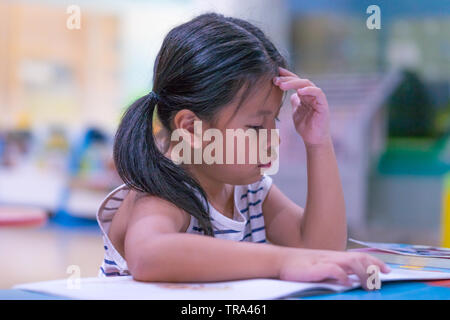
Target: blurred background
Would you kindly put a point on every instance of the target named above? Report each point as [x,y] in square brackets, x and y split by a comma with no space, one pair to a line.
[65,82]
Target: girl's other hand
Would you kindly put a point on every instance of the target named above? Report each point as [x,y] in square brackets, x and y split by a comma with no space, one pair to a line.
[318,265]
[309,108]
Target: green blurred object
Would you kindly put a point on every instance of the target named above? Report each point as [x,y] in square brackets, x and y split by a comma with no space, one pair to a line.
[442,119]
[415,156]
[411,112]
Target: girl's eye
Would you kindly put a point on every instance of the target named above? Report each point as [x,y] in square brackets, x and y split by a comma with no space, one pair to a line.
[256,127]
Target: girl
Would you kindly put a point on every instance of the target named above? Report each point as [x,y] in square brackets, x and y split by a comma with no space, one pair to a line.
[174,222]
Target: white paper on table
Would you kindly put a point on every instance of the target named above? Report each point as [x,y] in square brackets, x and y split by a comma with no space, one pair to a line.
[125,288]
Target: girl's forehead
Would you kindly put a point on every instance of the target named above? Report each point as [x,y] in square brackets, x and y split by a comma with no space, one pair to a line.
[263,99]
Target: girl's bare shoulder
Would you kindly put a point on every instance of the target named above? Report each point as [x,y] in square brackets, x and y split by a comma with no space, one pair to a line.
[143,204]
[137,205]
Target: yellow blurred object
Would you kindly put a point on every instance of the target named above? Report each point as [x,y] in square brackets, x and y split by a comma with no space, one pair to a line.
[23,121]
[411,267]
[57,141]
[446,212]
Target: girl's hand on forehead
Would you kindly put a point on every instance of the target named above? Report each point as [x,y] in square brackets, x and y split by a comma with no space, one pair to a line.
[309,108]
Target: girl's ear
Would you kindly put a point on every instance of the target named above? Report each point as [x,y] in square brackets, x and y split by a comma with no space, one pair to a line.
[189,126]
[184,119]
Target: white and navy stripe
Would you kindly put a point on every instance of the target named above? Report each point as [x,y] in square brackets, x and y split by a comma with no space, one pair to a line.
[248,221]
[246,225]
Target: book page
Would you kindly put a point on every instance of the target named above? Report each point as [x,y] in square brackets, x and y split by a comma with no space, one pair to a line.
[124,287]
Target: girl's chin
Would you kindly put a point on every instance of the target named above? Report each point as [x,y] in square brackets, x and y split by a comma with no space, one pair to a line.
[251,179]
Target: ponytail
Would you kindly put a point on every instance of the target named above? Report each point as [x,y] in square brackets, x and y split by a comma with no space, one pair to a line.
[143,167]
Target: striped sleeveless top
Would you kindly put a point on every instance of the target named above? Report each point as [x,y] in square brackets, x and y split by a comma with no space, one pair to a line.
[247,223]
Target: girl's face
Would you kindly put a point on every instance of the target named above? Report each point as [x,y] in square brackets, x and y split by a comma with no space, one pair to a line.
[259,111]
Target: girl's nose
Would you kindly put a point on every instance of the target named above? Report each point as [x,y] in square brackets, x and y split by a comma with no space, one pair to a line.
[269,142]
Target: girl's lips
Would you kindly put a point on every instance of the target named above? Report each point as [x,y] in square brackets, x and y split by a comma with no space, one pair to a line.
[265,165]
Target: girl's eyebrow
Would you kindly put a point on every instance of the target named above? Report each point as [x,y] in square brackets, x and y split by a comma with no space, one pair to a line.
[263,112]
[267,112]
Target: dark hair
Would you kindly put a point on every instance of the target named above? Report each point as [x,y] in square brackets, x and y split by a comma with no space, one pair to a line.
[201,66]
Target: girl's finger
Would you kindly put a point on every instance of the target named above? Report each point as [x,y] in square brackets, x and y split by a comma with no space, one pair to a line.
[310,102]
[281,79]
[286,72]
[323,271]
[300,113]
[313,91]
[335,272]
[278,80]
[295,83]
[295,100]
[358,268]
[383,267]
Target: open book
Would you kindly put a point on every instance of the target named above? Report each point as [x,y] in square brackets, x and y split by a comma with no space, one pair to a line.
[407,249]
[406,254]
[406,260]
[124,287]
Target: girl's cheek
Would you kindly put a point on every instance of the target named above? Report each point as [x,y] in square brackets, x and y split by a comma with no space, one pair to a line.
[233,148]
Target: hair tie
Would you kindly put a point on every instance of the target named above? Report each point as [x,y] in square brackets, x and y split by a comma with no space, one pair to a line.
[154,95]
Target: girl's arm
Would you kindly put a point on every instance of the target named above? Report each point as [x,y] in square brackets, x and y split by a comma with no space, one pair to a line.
[322,224]
[156,249]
